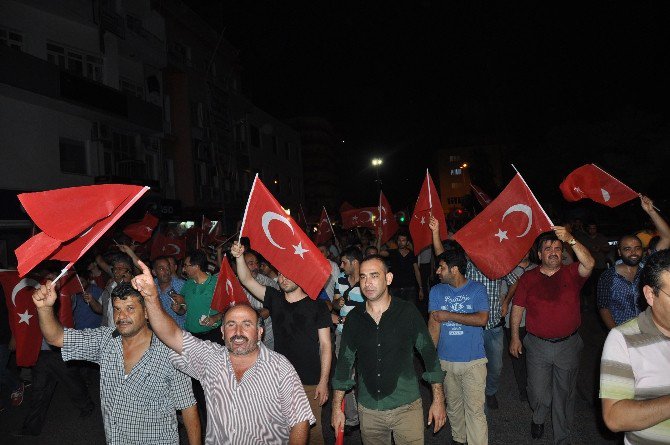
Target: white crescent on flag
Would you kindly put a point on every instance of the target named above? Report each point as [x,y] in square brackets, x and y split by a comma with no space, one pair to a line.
[229,288]
[523,209]
[25,282]
[177,250]
[606,195]
[265,221]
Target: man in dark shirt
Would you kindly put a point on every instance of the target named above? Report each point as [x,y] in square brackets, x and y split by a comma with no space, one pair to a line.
[301,331]
[405,269]
[381,337]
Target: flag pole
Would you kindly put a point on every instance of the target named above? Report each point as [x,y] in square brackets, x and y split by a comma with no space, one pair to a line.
[228,239]
[430,198]
[533,195]
[304,218]
[62,272]
[637,193]
[331,227]
[246,209]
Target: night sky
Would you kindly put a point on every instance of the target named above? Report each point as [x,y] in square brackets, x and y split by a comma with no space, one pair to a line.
[559,86]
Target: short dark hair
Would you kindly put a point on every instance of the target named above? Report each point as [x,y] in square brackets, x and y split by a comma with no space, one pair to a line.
[198,258]
[543,238]
[454,255]
[123,258]
[654,267]
[376,257]
[352,253]
[160,258]
[124,290]
[254,253]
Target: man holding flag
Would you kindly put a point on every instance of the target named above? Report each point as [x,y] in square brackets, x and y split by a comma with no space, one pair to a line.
[550,296]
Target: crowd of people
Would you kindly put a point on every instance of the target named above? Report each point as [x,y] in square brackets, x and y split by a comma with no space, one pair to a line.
[264,372]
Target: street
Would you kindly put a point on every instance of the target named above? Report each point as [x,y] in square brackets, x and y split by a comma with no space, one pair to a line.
[508,425]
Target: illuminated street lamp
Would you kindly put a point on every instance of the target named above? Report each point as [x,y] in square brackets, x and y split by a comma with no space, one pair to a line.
[376,163]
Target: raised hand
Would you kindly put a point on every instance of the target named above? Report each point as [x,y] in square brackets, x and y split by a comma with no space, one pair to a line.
[562,233]
[237,249]
[646,203]
[45,295]
[433,224]
[144,283]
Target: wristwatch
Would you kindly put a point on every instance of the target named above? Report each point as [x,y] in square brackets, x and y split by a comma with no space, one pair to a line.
[572,242]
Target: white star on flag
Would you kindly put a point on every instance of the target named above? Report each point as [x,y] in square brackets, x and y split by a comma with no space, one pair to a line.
[423,220]
[25,317]
[355,218]
[502,234]
[299,250]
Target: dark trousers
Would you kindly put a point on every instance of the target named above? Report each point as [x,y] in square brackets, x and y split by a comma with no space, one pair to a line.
[405,293]
[50,370]
[518,364]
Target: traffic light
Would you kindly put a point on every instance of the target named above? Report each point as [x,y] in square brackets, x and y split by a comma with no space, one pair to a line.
[400,216]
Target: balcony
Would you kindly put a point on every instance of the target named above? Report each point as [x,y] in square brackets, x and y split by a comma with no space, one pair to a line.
[35,75]
[129,171]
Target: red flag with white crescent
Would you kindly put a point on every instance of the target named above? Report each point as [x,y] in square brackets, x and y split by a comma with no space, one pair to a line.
[363,217]
[72,220]
[499,237]
[280,240]
[590,181]
[324,230]
[427,204]
[228,291]
[141,231]
[386,219]
[164,245]
[23,319]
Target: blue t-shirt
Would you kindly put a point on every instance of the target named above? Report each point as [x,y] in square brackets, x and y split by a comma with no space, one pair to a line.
[84,317]
[458,342]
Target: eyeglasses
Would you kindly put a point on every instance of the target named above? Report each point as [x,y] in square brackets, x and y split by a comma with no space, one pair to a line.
[664,292]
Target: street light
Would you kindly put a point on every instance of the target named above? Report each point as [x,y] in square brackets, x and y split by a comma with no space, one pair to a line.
[376,163]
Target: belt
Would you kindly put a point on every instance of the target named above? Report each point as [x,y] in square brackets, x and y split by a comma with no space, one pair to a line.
[556,340]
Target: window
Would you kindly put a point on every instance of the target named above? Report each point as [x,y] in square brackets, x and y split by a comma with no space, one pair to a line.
[275,145]
[130,87]
[75,61]
[73,156]
[56,55]
[455,171]
[290,185]
[287,149]
[254,136]
[123,146]
[12,39]
[453,200]
[454,158]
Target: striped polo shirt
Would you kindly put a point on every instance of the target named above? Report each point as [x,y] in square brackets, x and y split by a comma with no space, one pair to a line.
[636,365]
[259,409]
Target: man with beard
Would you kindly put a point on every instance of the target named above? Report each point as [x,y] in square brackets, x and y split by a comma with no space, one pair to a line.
[619,286]
[550,295]
[140,390]
[254,394]
[301,332]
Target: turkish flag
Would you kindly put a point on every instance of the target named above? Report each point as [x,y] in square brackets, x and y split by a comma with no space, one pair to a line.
[590,181]
[279,239]
[482,197]
[141,231]
[23,319]
[72,220]
[499,237]
[324,230]
[427,203]
[163,245]
[346,206]
[363,217]
[228,291]
[386,219]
